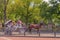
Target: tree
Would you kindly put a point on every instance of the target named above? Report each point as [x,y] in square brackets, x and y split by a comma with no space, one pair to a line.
[24,9]
[1,10]
[5,7]
[54,10]
[44,12]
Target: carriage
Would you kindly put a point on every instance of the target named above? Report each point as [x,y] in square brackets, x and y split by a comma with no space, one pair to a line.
[21,27]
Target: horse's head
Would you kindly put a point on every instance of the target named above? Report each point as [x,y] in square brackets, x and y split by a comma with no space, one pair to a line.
[41,24]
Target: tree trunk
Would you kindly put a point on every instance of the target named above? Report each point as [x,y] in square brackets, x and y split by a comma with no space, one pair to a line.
[5,11]
[5,7]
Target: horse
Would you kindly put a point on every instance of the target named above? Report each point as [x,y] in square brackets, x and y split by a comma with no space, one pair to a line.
[19,27]
[8,28]
[35,26]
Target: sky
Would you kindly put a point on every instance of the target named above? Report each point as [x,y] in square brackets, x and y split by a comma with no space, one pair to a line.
[46,0]
[33,3]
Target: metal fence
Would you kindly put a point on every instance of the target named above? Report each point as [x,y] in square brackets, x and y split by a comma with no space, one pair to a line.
[25,32]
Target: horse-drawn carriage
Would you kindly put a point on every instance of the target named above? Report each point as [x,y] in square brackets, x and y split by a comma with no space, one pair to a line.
[21,27]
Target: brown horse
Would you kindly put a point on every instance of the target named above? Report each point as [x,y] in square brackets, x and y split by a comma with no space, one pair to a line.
[35,26]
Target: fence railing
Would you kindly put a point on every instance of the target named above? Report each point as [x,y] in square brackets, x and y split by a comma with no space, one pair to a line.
[40,33]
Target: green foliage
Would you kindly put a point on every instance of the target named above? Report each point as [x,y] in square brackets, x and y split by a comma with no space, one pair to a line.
[32,11]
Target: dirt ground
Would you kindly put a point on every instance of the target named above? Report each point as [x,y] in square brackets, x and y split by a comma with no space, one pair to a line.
[27,38]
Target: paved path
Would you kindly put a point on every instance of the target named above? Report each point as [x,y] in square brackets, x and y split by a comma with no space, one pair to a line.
[27,38]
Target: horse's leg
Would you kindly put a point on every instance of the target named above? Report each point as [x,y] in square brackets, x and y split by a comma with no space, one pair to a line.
[6,31]
[38,30]
[25,31]
[19,30]
[9,32]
